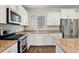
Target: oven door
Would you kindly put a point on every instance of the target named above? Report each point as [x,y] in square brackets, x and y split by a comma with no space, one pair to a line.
[23,44]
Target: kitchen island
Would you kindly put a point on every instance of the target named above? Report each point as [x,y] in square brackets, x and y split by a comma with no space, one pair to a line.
[67,45]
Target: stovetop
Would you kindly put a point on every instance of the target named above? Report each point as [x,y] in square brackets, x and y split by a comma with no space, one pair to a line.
[12,36]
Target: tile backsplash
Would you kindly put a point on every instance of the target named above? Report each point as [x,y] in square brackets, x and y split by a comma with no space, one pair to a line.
[53,28]
[13,28]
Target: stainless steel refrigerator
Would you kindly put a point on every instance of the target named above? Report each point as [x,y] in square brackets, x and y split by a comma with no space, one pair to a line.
[69,28]
[78,28]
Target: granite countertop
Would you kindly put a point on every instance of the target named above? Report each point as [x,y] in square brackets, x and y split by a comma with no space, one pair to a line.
[69,45]
[44,32]
[21,32]
[37,32]
[4,44]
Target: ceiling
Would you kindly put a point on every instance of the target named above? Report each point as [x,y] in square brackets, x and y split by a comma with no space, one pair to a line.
[51,6]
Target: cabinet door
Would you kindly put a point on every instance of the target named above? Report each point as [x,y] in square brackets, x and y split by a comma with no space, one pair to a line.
[64,14]
[32,39]
[25,19]
[68,14]
[57,18]
[77,15]
[71,14]
[20,9]
[53,18]
[24,15]
[3,14]
[38,39]
[47,40]
[50,18]
[21,12]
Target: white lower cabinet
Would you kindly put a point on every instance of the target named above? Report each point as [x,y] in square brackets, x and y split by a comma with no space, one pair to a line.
[31,40]
[12,49]
[34,39]
[47,40]
[59,49]
[54,37]
[53,18]
[40,39]
[43,39]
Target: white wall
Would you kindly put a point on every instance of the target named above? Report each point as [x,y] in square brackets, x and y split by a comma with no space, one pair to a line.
[15,28]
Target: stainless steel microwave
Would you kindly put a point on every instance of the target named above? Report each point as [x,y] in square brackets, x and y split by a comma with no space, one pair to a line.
[13,17]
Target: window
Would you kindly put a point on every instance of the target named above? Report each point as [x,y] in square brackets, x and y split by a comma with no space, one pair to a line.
[38,22]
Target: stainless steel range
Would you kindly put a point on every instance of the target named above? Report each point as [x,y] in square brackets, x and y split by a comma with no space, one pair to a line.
[22,43]
[21,40]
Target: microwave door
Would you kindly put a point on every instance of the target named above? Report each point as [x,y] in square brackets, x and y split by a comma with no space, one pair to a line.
[13,17]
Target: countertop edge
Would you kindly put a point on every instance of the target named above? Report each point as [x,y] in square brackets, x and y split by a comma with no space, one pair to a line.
[8,46]
[60,46]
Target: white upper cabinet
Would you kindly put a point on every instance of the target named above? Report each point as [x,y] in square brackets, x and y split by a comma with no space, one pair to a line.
[72,14]
[68,14]
[20,9]
[64,14]
[3,14]
[25,18]
[77,13]
[53,18]
[24,15]
[13,7]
